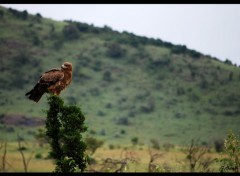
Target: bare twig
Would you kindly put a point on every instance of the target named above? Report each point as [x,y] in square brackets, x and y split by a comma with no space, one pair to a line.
[4,157]
[11,166]
[25,162]
[152,166]
[118,165]
[195,156]
[3,146]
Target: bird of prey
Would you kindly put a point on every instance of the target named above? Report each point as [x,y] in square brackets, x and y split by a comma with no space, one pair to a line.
[52,81]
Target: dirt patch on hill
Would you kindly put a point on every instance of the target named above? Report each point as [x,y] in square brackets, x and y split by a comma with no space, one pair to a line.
[22,120]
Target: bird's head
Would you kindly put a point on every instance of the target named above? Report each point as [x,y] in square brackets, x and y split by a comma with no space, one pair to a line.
[66,66]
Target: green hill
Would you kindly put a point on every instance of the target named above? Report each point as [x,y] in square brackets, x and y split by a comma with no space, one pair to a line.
[128,86]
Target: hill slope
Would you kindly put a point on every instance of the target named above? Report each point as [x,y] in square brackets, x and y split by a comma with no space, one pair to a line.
[128,86]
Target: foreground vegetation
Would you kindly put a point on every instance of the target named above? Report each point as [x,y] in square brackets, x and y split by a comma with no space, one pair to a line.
[137,159]
[131,158]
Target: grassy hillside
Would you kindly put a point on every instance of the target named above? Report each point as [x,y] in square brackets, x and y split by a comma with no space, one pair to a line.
[128,86]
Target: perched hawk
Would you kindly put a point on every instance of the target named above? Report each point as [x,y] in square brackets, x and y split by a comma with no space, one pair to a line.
[52,81]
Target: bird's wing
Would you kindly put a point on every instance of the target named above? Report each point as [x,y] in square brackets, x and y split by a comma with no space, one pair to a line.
[51,76]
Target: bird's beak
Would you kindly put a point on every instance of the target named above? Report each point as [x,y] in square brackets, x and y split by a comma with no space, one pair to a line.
[63,66]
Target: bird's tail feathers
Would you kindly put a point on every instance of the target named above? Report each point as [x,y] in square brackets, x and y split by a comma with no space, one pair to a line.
[36,93]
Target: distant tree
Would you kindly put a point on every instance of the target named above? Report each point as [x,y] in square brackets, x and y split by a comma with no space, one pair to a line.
[115,50]
[107,76]
[230,77]
[194,54]
[52,30]
[1,14]
[168,44]
[37,18]
[39,15]
[70,32]
[180,91]
[64,125]
[83,27]
[93,144]
[36,41]
[158,64]
[196,157]
[179,49]
[21,15]
[24,15]
[228,62]
[167,146]
[149,107]
[58,43]
[107,28]
[12,11]
[204,83]
[123,121]
[155,144]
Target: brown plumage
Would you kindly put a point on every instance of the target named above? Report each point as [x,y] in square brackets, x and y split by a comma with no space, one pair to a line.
[52,81]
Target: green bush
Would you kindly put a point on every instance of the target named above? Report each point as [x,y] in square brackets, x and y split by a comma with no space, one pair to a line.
[219,145]
[65,125]
[232,149]
[38,156]
[134,140]
[111,146]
